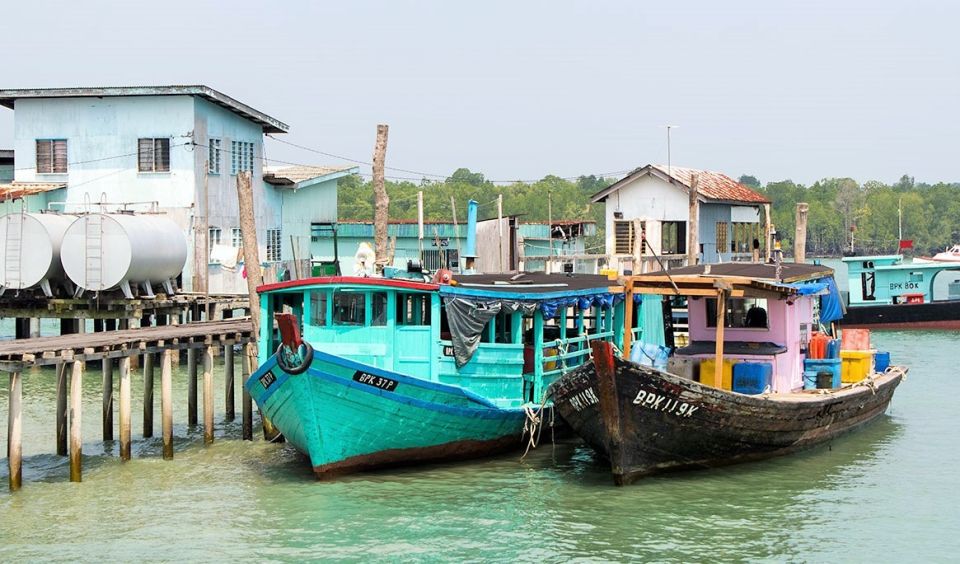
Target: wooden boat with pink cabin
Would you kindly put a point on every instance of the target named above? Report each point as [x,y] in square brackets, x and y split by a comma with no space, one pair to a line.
[750,325]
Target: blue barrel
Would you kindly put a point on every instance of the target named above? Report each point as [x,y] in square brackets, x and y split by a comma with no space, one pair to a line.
[833,348]
[752,377]
[814,365]
[881,361]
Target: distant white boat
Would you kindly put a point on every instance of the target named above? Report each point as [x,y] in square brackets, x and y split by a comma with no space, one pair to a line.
[950,255]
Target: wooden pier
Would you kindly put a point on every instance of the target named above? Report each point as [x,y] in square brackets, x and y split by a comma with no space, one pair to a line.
[156,346]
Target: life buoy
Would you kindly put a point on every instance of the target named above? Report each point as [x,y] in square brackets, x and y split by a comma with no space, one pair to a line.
[305,352]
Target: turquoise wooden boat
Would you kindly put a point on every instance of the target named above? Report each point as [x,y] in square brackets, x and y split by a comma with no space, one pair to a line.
[395,371]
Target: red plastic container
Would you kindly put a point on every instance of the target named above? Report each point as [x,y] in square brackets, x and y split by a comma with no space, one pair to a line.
[855,339]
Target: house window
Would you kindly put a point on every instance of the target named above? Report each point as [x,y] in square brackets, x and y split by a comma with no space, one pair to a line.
[236,237]
[213,156]
[51,156]
[273,245]
[721,236]
[623,237]
[213,238]
[673,237]
[743,235]
[154,155]
[241,157]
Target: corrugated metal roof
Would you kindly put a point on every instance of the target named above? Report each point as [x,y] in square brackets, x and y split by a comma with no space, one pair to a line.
[269,124]
[714,186]
[17,190]
[291,175]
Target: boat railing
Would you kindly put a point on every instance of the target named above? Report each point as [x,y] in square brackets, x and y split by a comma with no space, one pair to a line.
[563,355]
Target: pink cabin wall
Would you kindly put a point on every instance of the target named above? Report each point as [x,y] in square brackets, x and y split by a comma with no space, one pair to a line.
[784,322]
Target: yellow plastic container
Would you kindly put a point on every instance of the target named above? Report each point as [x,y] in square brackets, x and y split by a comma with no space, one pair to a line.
[855,366]
[707,367]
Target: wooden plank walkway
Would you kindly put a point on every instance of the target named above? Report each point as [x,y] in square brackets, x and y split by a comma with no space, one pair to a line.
[107,307]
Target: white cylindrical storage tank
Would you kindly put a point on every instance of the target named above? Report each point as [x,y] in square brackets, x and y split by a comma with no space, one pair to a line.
[104,251]
[30,248]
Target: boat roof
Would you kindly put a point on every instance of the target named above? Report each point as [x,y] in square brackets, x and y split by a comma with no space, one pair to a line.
[740,279]
[524,285]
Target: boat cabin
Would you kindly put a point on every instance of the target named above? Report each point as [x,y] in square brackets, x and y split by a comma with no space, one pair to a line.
[505,337]
[743,312]
[888,280]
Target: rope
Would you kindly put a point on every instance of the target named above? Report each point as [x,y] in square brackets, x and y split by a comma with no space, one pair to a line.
[534,425]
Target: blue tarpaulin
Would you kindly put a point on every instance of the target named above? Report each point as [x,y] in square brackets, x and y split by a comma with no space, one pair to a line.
[831,305]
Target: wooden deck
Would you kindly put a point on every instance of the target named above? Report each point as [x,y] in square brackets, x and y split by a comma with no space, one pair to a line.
[107,307]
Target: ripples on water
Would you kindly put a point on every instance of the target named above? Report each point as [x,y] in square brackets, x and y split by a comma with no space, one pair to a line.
[887,493]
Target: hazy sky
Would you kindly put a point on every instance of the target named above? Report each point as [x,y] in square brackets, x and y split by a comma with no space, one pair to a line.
[518,90]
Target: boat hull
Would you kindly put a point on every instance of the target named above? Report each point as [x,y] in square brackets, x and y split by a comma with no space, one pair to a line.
[347,417]
[646,421]
[943,314]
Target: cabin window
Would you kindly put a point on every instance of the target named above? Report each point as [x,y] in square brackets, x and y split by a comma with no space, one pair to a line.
[51,156]
[349,308]
[318,308]
[623,237]
[379,309]
[868,285]
[274,240]
[213,156]
[673,237]
[721,236]
[154,154]
[413,309]
[745,313]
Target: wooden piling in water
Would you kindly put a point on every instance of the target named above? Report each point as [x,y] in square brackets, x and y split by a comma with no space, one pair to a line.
[148,395]
[208,394]
[125,408]
[107,364]
[15,432]
[166,402]
[62,408]
[76,442]
[247,406]
[228,392]
[191,386]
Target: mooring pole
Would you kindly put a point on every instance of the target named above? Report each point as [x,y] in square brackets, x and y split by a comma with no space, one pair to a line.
[107,364]
[15,432]
[166,402]
[62,408]
[191,386]
[76,442]
[800,240]
[147,395]
[228,392]
[208,394]
[247,407]
[125,408]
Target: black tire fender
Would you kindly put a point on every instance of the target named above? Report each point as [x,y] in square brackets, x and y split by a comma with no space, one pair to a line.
[306,358]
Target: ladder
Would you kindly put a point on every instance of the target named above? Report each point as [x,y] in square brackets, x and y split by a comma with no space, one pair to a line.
[93,249]
[13,251]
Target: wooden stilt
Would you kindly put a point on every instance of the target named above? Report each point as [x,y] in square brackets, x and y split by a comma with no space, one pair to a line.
[191,386]
[15,432]
[62,408]
[148,395]
[247,406]
[125,408]
[166,402]
[721,321]
[107,364]
[228,392]
[76,443]
[208,395]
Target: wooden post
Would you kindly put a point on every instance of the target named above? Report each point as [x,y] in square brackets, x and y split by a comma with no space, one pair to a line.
[767,229]
[201,232]
[800,241]
[62,408]
[228,392]
[191,386]
[15,432]
[693,229]
[208,394]
[628,319]
[166,402]
[251,254]
[247,406]
[107,365]
[721,320]
[500,231]
[76,442]
[125,408]
[148,395]
[382,201]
